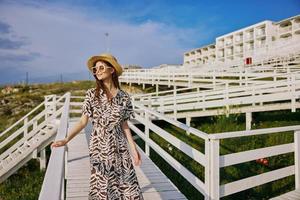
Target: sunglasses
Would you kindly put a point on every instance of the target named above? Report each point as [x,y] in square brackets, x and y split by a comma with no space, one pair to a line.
[100,68]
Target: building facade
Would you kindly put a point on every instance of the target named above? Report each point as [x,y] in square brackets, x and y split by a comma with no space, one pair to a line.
[251,44]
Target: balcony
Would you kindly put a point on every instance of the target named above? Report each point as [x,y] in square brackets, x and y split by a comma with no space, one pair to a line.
[229,42]
[229,52]
[239,50]
[262,45]
[220,44]
[221,54]
[238,40]
[249,36]
[260,33]
[250,47]
[296,27]
[283,30]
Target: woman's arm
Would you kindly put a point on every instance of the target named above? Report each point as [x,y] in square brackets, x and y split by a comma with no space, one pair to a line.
[78,127]
[75,130]
[128,135]
[136,155]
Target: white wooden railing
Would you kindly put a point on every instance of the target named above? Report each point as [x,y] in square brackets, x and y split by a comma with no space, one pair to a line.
[53,184]
[256,80]
[177,100]
[214,77]
[143,116]
[34,131]
[217,161]
[211,159]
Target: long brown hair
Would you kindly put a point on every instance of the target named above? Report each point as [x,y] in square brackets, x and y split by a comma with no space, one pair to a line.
[100,84]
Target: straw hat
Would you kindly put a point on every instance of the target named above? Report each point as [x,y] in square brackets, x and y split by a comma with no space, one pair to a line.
[108,58]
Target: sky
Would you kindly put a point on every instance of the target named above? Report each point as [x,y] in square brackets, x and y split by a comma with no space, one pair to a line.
[51,40]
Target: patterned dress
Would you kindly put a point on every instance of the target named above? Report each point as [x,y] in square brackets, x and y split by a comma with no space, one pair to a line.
[112,173]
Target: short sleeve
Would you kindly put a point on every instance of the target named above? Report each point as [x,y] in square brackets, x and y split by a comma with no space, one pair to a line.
[87,106]
[129,112]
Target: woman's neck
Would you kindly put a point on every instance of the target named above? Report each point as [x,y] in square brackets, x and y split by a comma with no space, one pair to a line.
[109,84]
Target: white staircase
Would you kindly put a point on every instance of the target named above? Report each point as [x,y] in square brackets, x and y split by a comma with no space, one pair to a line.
[31,138]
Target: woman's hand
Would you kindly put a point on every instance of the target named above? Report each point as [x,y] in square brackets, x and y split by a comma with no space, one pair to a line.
[137,158]
[59,143]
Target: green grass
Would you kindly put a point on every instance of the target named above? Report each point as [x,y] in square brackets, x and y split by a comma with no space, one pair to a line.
[25,184]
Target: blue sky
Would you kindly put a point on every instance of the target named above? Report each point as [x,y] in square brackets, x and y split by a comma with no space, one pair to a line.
[49,38]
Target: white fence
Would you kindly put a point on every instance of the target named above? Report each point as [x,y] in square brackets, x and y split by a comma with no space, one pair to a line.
[217,161]
[211,160]
[283,94]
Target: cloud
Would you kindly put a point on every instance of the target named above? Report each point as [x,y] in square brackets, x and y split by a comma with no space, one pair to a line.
[12,58]
[65,36]
[4,28]
[9,44]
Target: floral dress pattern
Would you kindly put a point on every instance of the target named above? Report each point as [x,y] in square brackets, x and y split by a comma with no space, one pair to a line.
[112,173]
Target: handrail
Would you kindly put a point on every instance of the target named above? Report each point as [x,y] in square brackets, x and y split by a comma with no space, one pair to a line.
[246,133]
[227,82]
[22,119]
[176,123]
[53,184]
[205,99]
[218,161]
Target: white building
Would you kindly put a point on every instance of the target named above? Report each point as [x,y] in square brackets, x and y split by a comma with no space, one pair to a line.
[253,43]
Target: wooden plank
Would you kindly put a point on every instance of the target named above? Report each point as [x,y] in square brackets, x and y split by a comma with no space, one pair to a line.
[257,180]
[240,157]
[78,167]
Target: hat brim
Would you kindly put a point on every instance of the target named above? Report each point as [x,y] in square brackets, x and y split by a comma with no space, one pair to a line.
[92,61]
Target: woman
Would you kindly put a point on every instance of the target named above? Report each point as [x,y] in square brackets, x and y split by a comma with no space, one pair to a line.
[112,173]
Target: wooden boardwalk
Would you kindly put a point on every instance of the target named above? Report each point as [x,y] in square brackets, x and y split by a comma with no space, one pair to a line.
[154,184]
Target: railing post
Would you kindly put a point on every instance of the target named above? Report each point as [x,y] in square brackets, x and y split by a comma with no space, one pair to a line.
[246,77]
[293,93]
[50,106]
[173,75]
[190,79]
[174,97]
[62,194]
[214,81]
[297,158]
[66,161]
[207,169]
[188,123]
[147,148]
[42,159]
[169,78]
[253,95]
[240,77]
[214,169]
[25,126]
[161,105]
[151,77]
[227,98]
[35,123]
[248,120]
